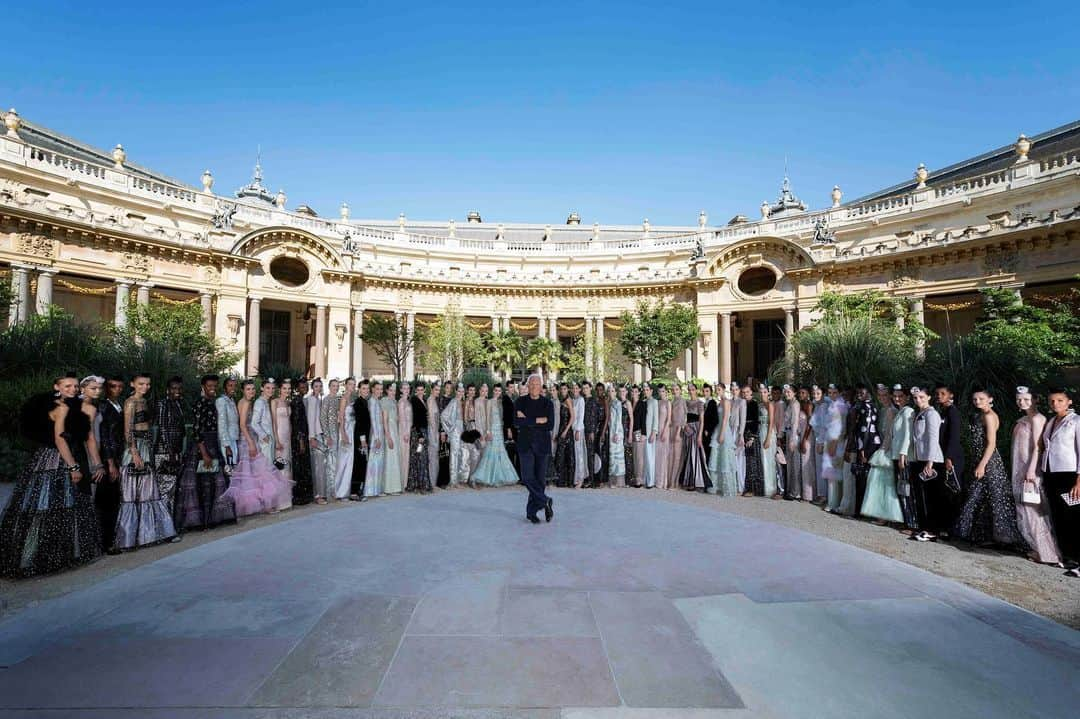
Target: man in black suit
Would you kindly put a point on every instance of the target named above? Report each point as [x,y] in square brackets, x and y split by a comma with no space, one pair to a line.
[949,437]
[534,416]
[360,441]
[107,493]
[509,426]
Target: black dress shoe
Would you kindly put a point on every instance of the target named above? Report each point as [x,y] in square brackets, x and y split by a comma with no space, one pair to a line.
[532,518]
[548,511]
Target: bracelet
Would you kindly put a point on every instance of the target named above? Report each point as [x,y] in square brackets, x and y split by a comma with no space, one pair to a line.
[96,467]
[73,468]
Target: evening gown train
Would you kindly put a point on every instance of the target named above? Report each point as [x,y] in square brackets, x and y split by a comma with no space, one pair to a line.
[256,485]
[495,468]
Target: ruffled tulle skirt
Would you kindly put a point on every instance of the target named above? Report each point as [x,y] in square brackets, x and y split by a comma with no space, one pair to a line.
[256,485]
[880,500]
[144,517]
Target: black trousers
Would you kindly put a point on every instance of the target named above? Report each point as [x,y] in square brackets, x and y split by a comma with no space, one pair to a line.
[907,504]
[1066,519]
[533,471]
[359,472]
[593,448]
[107,505]
[933,500]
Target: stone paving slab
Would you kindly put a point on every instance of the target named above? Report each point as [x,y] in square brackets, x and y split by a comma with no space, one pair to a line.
[466,604]
[101,671]
[499,672]
[882,658]
[657,660]
[343,659]
[547,613]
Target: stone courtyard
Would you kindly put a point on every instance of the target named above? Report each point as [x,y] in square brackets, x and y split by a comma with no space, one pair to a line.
[454,606]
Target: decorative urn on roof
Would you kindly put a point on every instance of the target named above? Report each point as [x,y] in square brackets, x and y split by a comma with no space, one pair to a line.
[13,122]
[837,195]
[118,156]
[207,181]
[573,218]
[1023,145]
[921,173]
[702,219]
[344,211]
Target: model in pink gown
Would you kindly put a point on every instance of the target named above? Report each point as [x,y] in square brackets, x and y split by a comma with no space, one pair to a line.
[663,443]
[255,485]
[1032,519]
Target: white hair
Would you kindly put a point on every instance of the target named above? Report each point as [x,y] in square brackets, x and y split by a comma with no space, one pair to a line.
[537,377]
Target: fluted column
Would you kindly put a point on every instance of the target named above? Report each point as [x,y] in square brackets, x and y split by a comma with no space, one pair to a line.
[688,364]
[20,294]
[918,309]
[44,291]
[495,323]
[725,347]
[253,336]
[123,293]
[410,359]
[638,374]
[789,351]
[554,327]
[541,326]
[599,347]
[207,301]
[358,343]
[320,340]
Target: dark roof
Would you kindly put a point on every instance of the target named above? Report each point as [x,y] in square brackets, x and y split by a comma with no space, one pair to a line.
[1044,145]
[50,140]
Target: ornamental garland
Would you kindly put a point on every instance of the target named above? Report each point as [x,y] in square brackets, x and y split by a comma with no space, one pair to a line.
[80,289]
[570,328]
[170,301]
[524,327]
[952,307]
[613,326]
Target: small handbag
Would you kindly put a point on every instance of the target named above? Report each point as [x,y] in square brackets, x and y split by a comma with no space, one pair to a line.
[470,436]
[1031,493]
[203,468]
[903,488]
[952,483]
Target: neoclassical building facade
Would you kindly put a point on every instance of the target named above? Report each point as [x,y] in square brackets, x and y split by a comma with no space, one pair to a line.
[93,232]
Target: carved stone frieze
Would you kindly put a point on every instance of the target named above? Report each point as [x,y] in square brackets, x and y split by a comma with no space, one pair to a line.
[1001,262]
[29,243]
[135,262]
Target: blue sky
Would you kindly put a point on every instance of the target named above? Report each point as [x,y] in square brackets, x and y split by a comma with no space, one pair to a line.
[620,111]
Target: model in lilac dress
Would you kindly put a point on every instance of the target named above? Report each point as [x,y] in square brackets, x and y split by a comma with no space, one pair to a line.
[256,485]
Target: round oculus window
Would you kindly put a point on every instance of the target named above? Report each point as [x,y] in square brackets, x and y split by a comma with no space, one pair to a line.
[756,281]
[289,271]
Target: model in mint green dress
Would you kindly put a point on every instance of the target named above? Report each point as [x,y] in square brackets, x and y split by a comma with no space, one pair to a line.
[722,457]
[495,468]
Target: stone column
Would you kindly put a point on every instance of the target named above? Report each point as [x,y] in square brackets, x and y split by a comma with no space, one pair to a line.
[142,294]
[20,295]
[588,331]
[410,359]
[123,291]
[688,364]
[253,336]
[708,347]
[638,374]
[919,311]
[789,330]
[358,343]
[44,291]
[495,323]
[600,347]
[207,301]
[541,326]
[320,340]
[725,347]
[554,327]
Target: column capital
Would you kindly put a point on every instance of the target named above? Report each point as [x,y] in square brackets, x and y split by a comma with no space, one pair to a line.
[206,293]
[124,281]
[48,271]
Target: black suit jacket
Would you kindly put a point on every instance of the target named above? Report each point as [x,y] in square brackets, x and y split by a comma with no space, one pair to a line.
[711,418]
[508,416]
[950,437]
[112,433]
[533,437]
[363,421]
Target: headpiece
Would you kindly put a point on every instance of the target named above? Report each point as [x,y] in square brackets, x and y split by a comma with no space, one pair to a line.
[898,387]
[1023,390]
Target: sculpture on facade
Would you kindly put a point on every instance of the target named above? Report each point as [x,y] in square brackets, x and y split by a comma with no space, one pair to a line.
[223,215]
[822,234]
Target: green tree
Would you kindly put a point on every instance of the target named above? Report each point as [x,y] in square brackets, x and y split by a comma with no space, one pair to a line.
[603,363]
[177,329]
[391,340]
[504,351]
[654,334]
[546,355]
[451,346]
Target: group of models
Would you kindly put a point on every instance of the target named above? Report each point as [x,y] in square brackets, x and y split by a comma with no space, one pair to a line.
[113,473]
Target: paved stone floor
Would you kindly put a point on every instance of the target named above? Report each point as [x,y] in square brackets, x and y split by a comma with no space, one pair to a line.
[453,606]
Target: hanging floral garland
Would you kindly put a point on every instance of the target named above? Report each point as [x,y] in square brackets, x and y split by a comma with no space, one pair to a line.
[613,326]
[524,327]
[170,301]
[98,291]
[570,328]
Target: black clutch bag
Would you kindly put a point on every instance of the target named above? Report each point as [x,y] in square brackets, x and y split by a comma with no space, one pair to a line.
[471,436]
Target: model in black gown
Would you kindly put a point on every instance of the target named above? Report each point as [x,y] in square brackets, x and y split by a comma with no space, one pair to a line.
[564,447]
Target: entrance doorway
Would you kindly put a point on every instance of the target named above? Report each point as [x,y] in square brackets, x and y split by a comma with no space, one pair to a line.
[274,337]
[768,346]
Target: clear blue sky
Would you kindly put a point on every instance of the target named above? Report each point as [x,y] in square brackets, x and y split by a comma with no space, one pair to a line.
[525,111]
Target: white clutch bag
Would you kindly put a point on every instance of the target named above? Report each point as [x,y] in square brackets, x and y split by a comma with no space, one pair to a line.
[1031,494]
[1067,496]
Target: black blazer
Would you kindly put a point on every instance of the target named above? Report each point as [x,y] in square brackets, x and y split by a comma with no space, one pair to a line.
[112,432]
[950,437]
[533,437]
[363,421]
[711,418]
[508,416]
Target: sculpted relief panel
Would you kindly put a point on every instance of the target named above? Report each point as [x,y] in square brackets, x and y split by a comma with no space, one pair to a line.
[29,243]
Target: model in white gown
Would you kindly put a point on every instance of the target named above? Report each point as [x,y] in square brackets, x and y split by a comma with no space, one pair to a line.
[377,445]
[346,427]
[392,474]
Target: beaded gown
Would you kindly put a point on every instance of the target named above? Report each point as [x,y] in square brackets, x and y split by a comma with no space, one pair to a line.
[754,478]
[695,474]
[48,524]
[767,454]
[392,471]
[495,468]
[1033,520]
[616,435]
[581,469]
[419,457]
[200,500]
[989,512]
[169,448]
[376,459]
[679,409]
[304,487]
[564,449]
[722,457]
[405,423]
[346,453]
[144,516]
[628,444]
[256,485]
[664,480]
[331,436]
